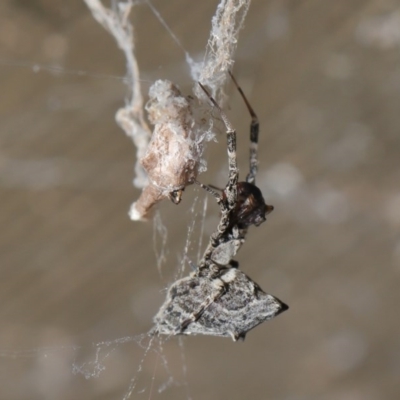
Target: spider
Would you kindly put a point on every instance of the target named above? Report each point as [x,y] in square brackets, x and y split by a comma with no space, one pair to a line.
[217,298]
[241,203]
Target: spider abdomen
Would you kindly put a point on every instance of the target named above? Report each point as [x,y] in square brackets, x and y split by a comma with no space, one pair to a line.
[250,208]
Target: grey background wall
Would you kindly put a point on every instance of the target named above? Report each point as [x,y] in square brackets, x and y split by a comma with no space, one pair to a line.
[324,79]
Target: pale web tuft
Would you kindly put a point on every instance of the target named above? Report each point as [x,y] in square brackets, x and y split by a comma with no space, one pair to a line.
[182,159]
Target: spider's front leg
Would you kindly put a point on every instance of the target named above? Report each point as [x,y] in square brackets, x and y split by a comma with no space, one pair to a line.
[254,129]
[225,212]
[221,251]
[251,208]
[231,187]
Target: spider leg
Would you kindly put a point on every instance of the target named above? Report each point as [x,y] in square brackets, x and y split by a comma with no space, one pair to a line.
[216,188]
[223,224]
[228,202]
[254,129]
[231,189]
[210,189]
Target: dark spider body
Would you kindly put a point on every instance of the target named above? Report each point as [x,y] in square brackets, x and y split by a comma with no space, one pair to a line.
[250,206]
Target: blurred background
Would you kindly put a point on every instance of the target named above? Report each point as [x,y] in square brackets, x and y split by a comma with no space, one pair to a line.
[324,78]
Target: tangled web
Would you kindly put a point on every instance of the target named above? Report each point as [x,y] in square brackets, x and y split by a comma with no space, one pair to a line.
[179,121]
[217,298]
[177,143]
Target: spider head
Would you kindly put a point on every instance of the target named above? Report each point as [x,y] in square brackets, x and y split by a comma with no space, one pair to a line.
[251,208]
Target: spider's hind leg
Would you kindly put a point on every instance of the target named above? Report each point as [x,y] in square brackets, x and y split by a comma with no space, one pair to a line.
[254,129]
